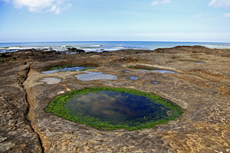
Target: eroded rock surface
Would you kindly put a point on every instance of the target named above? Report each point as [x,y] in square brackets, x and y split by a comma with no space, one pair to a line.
[16,134]
[201,90]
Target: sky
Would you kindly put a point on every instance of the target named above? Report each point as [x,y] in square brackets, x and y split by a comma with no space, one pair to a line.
[114,20]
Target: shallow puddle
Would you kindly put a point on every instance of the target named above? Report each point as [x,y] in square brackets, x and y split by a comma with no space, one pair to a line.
[145,68]
[117,108]
[63,69]
[133,78]
[96,76]
[51,80]
[164,71]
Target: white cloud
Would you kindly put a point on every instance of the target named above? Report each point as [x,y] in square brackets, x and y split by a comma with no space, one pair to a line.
[220,3]
[55,6]
[197,16]
[156,2]
[227,15]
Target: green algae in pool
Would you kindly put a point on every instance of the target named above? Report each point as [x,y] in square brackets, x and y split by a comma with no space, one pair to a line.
[117,108]
[114,108]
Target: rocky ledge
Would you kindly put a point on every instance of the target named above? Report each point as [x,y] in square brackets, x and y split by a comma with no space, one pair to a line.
[200,86]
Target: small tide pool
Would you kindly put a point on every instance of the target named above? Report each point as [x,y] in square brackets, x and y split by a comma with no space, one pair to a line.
[133,78]
[114,108]
[67,68]
[90,76]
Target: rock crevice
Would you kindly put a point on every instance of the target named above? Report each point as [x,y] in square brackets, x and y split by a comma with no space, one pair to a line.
[28,107]
[16,133]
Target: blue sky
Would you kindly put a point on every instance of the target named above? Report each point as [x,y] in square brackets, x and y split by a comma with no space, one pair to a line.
[112,20]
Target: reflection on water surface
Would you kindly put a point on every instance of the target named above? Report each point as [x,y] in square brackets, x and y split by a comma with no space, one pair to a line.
[133,78]
[96,76]
[117,108]
[62,69]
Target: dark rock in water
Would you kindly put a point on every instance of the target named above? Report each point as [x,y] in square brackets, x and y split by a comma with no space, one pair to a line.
[81,51]
[90,52]
[49,52]
[72,49]
[75,50]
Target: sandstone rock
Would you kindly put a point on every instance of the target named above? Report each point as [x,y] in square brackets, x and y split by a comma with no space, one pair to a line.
[201,90]
[16,134]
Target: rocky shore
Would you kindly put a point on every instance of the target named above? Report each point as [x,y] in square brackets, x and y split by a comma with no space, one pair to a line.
[200,86]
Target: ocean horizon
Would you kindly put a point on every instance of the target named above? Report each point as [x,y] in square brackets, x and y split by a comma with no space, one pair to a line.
[99,46]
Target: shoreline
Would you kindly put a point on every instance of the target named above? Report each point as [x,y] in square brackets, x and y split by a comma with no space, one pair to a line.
[105,45]
[201,90]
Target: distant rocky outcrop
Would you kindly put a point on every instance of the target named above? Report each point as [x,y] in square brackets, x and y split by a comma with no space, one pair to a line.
[76,50]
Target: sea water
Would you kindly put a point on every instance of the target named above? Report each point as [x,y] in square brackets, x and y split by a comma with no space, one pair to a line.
[99,46]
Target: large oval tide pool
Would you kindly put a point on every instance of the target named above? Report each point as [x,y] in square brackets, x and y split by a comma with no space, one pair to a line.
[112,108]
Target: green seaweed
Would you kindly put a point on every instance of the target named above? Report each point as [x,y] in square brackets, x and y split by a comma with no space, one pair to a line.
[57,107]
[58,67]
[88,68]
[26,114]
[65,66]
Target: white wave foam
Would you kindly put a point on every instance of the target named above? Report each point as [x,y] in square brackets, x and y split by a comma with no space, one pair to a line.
[95,46]
[218,46]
